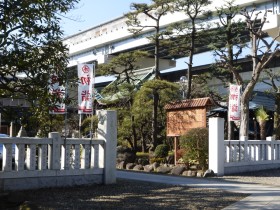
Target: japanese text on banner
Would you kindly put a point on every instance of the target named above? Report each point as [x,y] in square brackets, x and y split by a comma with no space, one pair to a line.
[85,74]
[59,92]
[234,103]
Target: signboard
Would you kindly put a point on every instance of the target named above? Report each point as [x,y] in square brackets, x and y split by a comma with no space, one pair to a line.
[85,75]
[179,122]
[59,92]
[234,113]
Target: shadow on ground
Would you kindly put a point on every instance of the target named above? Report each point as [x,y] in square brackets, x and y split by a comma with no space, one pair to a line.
[122,195]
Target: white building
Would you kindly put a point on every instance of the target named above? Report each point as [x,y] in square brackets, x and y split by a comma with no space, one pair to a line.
[103,41]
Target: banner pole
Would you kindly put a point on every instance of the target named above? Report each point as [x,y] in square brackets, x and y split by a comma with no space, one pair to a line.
[80,124]
[93,98]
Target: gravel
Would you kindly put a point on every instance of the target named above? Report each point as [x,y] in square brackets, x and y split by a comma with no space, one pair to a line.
[266,177]
[126,194]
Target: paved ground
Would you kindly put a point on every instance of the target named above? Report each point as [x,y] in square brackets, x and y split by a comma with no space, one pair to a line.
[261,196]
[139,190]
[125,194]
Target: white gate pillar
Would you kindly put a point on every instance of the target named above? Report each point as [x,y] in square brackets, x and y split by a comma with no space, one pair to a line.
[216,145]
[107,130]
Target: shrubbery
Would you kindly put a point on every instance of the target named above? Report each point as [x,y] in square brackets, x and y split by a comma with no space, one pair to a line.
[160,154]
[161,151]
[195,145]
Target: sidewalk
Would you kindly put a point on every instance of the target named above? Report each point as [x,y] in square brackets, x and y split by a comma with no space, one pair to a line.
[262,197]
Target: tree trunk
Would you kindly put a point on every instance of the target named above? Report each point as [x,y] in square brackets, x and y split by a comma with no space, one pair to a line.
[276,123]
[262,130]
[154,125]
[244,121]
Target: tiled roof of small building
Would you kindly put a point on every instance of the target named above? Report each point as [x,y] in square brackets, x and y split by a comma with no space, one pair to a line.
[189,103]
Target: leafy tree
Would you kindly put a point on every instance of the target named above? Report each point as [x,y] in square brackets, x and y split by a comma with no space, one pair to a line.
[262,52]
[273,77]
[31,47]
[167,92]
[154,12]
[121,92]
[30,42]
[43,122]
[189,35]
[86,124]
[228,42]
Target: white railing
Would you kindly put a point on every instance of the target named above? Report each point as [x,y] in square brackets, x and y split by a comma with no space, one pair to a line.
[233,156]
[60,161]
[42,154]
[252,151]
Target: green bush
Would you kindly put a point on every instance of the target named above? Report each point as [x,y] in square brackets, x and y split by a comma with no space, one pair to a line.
[161,151]
[157,160]
[195,144]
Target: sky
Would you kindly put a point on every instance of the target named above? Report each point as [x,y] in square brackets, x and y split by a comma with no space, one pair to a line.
[90,13]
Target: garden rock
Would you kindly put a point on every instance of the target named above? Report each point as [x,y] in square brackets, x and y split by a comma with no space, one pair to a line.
[178,169]
[209,173]
[138,168]
[193,167]
[163,169]
[189,173]
[121,165]
[199,173]
[130,166]
[148,168]
[155,165]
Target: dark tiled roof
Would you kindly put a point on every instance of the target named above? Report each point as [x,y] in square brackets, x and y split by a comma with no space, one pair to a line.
[189,103]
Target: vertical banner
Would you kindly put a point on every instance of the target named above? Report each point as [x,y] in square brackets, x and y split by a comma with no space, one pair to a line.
[85,74]
[234,113]
[59,92]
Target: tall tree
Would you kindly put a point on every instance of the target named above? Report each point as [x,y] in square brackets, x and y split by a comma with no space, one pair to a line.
[262,52]
[228,42]
[137,25]
[273,79]
[167,91]
[189,35]
[31,43]
[121,92]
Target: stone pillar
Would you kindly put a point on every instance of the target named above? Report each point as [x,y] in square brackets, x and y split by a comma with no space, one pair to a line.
[244,150]
[107,130]
[54,151]
[270,148]
[216,145]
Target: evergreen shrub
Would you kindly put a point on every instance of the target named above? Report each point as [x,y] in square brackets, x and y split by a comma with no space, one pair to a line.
[161,151]
[195,144]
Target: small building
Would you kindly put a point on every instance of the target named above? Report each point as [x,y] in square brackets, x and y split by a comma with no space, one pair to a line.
[185,115]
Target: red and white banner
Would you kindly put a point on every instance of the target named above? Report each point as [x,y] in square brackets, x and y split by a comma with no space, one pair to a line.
[234,113]
[85,74]
[59,92]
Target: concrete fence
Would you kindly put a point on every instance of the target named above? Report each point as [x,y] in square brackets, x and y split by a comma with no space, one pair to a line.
[235,156]
[50,162]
